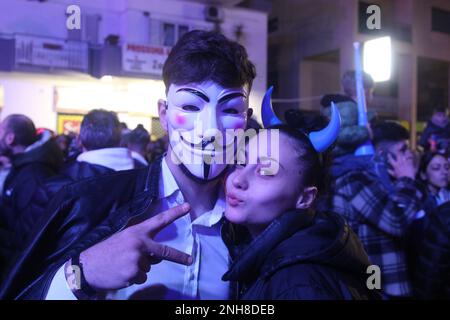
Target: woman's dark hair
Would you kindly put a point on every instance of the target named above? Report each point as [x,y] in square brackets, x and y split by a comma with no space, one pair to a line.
[314,164]
[207,55]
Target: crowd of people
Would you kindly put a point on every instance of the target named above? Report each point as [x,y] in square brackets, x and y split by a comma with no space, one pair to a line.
[110,214]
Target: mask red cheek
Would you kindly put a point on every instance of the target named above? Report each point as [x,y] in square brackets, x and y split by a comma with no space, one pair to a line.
[239,125]
[180,119]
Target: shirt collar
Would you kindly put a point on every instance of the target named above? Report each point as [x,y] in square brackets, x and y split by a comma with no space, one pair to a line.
[168,186]
[215,215]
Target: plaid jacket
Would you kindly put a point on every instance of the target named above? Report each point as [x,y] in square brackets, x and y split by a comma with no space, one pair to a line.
[381,218]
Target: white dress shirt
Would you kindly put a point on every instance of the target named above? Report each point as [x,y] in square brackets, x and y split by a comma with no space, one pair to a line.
[167,280]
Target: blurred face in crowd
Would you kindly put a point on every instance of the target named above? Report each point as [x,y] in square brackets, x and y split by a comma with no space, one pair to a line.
[198,117]
[440,119]
[437,173]
[400,149]
[260,191]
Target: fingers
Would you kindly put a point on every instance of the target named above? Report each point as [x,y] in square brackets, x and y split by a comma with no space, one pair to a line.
[140,278]
[144,264]
[163,252]
[156,223]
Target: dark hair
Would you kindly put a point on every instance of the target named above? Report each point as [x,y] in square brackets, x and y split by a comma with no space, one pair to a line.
[100,129]
[313,171]
[23,129]
[138,138]
[207,55]
[348,81]
[389,131]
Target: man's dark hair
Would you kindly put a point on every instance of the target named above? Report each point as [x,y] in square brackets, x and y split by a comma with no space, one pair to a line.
[207,55]
[100,129]
[137,138]
[23,129]
[389,131]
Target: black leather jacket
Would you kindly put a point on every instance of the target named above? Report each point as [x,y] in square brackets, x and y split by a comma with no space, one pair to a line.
[302,256]
[81,215]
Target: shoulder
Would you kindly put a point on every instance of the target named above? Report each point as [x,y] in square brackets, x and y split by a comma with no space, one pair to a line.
[355,178]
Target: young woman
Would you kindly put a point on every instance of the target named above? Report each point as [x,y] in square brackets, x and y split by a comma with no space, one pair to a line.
[434,172]
[281,247]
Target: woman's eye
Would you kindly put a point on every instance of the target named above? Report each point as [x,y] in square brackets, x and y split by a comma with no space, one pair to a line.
[265,172]
[190,108]
[230,111]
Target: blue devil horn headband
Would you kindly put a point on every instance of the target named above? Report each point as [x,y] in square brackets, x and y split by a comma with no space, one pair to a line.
[321,139]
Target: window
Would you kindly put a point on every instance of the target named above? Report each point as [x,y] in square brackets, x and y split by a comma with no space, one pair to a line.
[440,20]
[168,34]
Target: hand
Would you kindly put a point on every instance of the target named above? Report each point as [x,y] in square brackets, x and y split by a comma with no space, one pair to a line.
[126,257]
[402,166]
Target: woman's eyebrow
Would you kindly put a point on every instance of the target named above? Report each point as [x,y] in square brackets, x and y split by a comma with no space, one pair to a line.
[231,96]
[196,92]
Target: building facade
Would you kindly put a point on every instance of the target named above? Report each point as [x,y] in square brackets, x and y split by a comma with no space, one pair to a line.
[311,46]
[54,68]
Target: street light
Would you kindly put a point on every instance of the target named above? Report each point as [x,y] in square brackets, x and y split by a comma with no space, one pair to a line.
[377,58]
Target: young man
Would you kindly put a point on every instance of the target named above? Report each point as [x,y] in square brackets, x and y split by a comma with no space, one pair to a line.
[380,201]
[109,231]
[34,158]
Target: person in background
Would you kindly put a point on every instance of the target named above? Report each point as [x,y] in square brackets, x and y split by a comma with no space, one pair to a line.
[34,158]
[351,135]
[380,202]
[432,266]
[436,136]
[434,172]
[137,141]
[100,136]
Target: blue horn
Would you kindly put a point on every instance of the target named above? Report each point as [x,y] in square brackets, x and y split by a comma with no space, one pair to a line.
[324,138]
[269,117]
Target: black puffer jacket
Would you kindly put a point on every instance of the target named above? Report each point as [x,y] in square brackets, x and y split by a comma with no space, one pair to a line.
[23,201]
[300,256]
[431,278]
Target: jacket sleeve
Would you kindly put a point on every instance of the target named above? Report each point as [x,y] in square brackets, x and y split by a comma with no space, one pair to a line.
[391,212]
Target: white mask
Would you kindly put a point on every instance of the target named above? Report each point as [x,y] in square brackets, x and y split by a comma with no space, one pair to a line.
[200,117]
